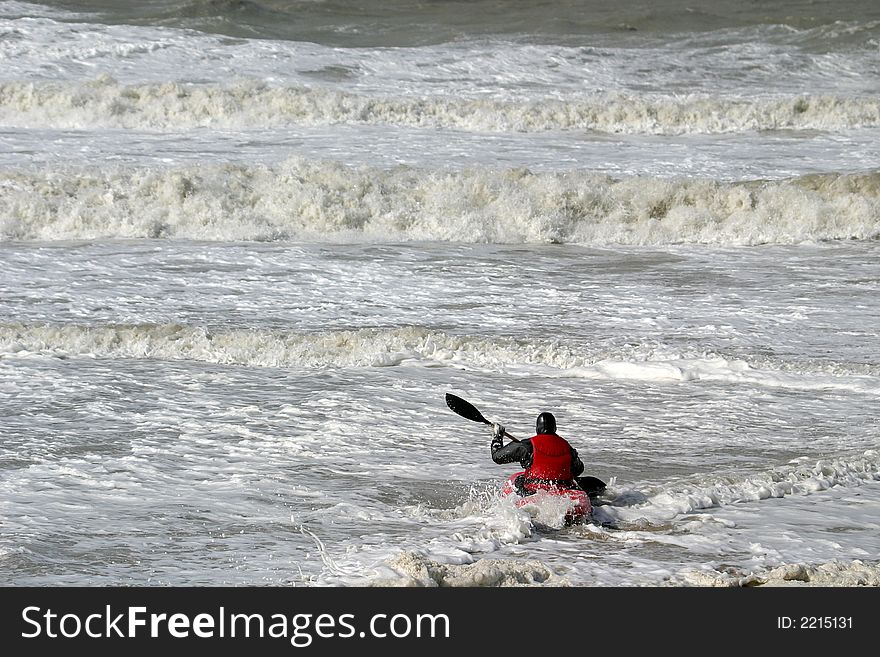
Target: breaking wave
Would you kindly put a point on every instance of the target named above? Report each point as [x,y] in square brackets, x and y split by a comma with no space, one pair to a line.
[105,103]
[413,345]
[264,348]
[317,200]
[802,476]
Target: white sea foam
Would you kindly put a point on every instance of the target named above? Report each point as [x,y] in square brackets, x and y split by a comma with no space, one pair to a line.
[720,369]
[316,200]
[801,477]
[831,573]
[413,345]
[414,569]
[14,8]
[105,103]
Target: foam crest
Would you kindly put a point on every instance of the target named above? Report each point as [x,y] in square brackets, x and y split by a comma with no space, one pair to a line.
[105,103]
[319,200]
[366,348]
[264,348]
[800,477]
[414,345]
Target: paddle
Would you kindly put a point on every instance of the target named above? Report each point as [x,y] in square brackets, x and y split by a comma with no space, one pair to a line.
[591,485]
[469,411]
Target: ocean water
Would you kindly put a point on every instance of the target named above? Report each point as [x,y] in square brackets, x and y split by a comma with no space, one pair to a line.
[246,248]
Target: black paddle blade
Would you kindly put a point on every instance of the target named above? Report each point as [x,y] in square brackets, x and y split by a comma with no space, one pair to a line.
[465,409]
[591,485]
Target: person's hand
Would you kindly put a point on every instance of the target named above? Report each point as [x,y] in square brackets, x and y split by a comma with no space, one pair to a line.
[497,431]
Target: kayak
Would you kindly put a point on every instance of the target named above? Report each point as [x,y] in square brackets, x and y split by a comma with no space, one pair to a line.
[578,501]
[575,503]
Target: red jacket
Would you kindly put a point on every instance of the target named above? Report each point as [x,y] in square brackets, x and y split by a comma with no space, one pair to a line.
[551,458]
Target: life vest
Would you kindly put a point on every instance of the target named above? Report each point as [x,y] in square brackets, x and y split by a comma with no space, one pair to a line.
[551,459]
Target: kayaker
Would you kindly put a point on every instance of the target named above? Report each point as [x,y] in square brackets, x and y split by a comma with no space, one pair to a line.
[547,458]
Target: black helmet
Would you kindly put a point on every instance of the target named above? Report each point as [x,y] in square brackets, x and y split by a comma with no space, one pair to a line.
[545,423]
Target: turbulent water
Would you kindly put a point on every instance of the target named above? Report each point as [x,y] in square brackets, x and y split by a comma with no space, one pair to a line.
[247,247]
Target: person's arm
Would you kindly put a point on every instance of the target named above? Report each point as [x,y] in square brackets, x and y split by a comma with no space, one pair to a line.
[577,466]
[514,451]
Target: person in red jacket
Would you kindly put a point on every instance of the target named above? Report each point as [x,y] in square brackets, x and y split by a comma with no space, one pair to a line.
[546,457]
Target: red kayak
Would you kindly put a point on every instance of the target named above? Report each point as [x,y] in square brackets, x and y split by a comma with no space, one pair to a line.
[580,507]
